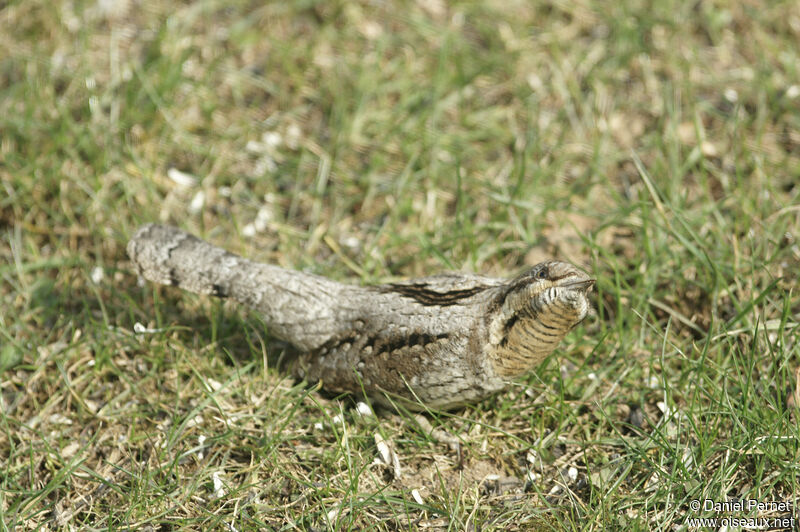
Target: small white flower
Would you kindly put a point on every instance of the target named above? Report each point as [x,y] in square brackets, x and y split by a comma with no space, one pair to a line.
[271,139]
[138,328]
[182,179]
[332,514]
[254,146]
[363,409]
[200,441]
[263,217]
[97,274]
[219,487]
[249,230]
[572,473]
[197,203]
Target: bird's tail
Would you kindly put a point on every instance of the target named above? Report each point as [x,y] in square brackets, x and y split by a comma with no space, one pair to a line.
[297,307]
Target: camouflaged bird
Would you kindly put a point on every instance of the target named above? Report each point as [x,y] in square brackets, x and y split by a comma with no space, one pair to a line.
[440,341]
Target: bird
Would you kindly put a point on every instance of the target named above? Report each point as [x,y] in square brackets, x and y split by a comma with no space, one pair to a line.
[437,342]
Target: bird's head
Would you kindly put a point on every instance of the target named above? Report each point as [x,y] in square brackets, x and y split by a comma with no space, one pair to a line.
[534,311]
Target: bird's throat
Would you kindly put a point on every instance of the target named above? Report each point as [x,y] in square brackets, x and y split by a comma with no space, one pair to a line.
[529,337]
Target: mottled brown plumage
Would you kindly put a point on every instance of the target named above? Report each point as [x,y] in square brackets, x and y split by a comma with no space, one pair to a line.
[442,341]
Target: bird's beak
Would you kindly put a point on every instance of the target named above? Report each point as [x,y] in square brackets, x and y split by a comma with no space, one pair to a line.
[585,286]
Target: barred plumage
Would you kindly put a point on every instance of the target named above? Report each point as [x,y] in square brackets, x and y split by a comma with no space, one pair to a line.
[442,341]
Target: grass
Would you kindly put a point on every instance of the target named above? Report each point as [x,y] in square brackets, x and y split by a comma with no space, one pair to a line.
[656,145]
